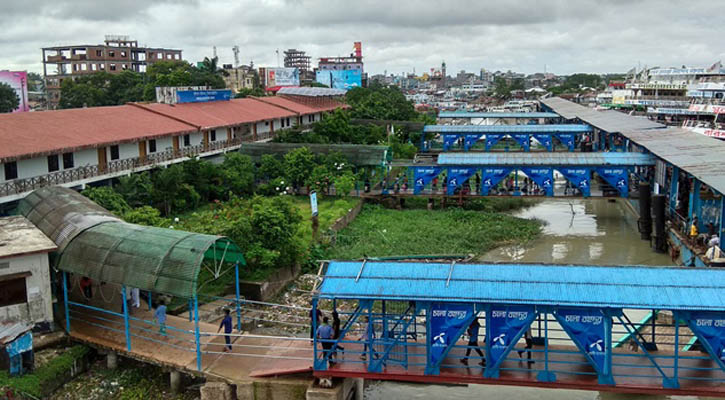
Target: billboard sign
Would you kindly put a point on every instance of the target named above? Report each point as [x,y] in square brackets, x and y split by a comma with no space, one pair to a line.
[18,80]
[340,79]
[201,96]
[277,77]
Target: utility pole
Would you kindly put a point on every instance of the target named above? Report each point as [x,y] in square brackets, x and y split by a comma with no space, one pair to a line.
[277,51]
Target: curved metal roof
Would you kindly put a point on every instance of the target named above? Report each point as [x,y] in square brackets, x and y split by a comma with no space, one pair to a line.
[523,115]
[545,159]
[93,242]
[640,287]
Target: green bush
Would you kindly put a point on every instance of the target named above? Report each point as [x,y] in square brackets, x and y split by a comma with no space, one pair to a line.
[45,376]
[107,198]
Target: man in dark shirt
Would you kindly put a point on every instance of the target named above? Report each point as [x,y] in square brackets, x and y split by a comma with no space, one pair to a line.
[227,324]
[325,333]
[473,342]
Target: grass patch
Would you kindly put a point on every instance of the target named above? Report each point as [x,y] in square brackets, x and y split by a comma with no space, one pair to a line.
[380,232]
[36,382]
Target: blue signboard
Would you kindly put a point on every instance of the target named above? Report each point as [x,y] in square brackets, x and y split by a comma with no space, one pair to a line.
[567,139]
[492,139]
[447,322]
[340,79]
[544,139]
[448,141]
[710,328]
[201,96]
[470,141]
[313,203]
[617,177]
[505,325]
[587,329]
[457,177]
[579,177]
[522,139]
[543,177]
[490,177]
[422,176]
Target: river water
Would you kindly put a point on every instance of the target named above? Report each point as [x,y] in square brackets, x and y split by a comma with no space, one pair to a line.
[578,231]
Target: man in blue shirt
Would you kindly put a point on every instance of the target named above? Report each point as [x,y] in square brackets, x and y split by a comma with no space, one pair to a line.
[227,324]
[325,332]
[160,315]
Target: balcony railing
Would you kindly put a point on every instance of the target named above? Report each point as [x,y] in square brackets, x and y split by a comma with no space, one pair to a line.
[17,186]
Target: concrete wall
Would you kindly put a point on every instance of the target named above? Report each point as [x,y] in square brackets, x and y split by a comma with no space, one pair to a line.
[39,306]
[261,127]
[83,158]
[126,150]
[33,167]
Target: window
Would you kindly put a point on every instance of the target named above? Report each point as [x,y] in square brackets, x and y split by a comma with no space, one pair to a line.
[111,53]
[13,291]
[152,146]
[123,54]
[266,123]
[94,67]
[287,122]
[159,56]
[113,67]
[67,160]
[99,53]
[114,153]
[11,170]
[101,67]
[212,136]
[53,164]
[187,141]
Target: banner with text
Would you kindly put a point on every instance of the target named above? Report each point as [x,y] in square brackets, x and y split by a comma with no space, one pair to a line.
[449,140]
[566,139]
[457,177]
[543,177]
[470,141]
[587,329]
[617,177]
[423,176]
[522,139]
[447,320]
[490,177]
[492,139]
[710,327]
[506,325]
[579,177]
[544,139]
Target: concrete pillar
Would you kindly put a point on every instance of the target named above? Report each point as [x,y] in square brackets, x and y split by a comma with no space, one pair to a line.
[359,388]
[245,391]
[111,360]
[216,391]
[175,382]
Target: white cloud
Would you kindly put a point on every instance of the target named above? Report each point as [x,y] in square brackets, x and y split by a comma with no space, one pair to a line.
[399,35]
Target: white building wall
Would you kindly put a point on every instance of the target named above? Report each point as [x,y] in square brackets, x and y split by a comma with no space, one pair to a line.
[195,139]
[221,134]
[39,306]
[162,144]
[125,150]
[31,167]
[82,158]
[262,128]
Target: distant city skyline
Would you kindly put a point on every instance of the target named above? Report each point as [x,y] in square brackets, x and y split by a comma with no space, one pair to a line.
[397,37]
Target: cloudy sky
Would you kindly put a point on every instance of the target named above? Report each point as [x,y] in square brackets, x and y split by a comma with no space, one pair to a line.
[566,36]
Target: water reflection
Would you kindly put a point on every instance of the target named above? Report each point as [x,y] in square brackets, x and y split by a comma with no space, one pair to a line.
[594,231]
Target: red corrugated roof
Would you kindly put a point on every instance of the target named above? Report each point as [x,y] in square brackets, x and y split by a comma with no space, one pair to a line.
[310,106]
[218,114]
[24,135]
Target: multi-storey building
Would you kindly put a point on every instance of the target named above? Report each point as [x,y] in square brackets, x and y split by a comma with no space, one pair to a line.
[118,53]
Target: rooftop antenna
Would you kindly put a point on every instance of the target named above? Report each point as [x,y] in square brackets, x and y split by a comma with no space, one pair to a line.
[235,49]
[214,51]
[277,51]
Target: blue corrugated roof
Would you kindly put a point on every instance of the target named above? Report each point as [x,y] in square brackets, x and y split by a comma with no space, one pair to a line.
[551,128]
[618,287]
[466,114]
[545,159]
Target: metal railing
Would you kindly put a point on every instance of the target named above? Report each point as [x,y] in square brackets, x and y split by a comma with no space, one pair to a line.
[17,186]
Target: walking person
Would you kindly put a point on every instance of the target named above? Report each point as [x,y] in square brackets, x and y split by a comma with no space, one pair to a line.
[336,331]
[160,315]
[86,289]
[136,297]
[325,333]
[227,325]
[472,332]
[312,322]
[529,345]
[369,329]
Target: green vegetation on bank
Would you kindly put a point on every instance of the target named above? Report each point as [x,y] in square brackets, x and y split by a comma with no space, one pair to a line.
[43,379]
[379,232]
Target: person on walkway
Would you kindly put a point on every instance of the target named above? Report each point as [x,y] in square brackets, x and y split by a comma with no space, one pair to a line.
[85,284]
[227,325]
[528,336]
[336,331]
[160,315]
[136,297]
[312,322]
[693,229]
[472,332]
[325,333]
[369,333]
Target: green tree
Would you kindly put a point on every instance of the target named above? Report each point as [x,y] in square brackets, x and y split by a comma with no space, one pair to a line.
[35,82]
[238,172]
[378,102]
[146,215]
[270,167]
[207,178]
[298,165]
[167,188]
[246,92]
[107,198]
[9,100]
[335,126]
[136,189]
[320,179]
[344,184]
